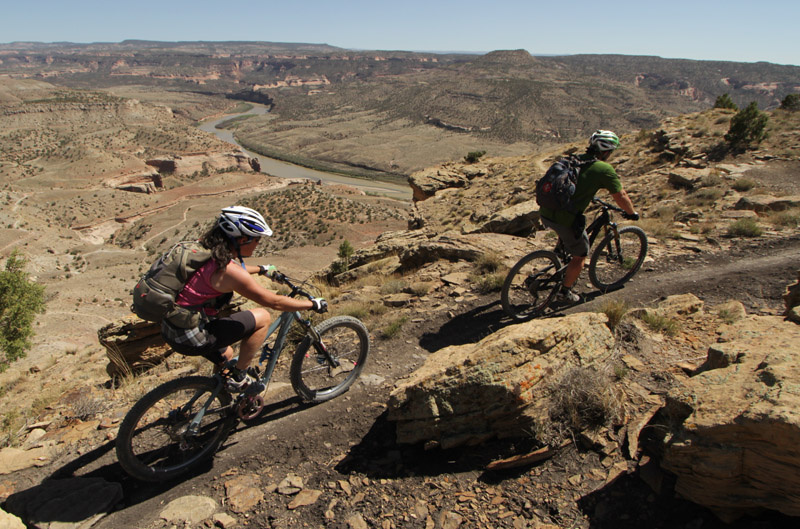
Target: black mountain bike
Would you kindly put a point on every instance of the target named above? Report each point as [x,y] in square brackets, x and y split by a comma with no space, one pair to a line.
[182,422]
[533,282]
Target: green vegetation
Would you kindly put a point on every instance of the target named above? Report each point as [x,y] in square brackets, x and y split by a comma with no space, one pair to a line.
[725,101]
[346,251]
[474,156]
[489,273]
[393,328]
[743,184]
[746,227]
[660,323]
[791,102]
[748,128]
[20,301]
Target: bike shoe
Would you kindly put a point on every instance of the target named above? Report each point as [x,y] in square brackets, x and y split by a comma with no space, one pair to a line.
[566,295]
[248,385]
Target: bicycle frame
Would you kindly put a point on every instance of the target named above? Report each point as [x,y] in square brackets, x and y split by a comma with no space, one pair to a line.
[593,230]
[282,324]
[271,354]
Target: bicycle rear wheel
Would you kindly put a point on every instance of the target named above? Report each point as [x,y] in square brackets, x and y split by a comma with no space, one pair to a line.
[618,258]
[317,378]
[154,442]
[531,285]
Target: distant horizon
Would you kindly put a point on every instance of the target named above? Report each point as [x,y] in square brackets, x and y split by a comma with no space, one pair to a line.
[731,31]
[436,52]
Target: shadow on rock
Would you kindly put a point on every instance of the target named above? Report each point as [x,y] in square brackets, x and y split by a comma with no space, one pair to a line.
[468,327]
[378,455]
[628,503]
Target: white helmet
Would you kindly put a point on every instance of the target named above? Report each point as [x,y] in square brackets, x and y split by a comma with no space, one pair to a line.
[238,221]
[604,140]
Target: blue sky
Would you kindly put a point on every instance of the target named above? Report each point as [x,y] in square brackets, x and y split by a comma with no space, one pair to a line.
[732,30]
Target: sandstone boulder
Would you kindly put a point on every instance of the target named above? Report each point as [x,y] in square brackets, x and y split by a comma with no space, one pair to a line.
[132,346]
[734,428]
[196,163]
[760,203]
[413,248]
[425,183]
[519,219]
[500,386]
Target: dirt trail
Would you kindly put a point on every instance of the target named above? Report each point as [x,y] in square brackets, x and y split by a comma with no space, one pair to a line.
[348,436]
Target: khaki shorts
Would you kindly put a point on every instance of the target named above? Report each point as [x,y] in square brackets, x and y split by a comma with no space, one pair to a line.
[210,339]
[577,245]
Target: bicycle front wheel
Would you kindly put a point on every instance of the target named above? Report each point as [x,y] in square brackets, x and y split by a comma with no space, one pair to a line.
[618,257]
[531,285]
[324,370]
[157,440]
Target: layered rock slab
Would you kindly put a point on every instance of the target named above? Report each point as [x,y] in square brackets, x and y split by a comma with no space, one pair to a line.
[735,429]
[498,387]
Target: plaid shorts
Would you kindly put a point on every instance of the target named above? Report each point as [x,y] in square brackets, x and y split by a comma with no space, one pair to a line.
[209,339]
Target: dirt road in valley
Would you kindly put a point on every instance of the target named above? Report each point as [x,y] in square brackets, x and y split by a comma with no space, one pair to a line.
[348,440]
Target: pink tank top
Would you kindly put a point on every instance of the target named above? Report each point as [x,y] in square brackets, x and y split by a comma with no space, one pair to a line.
[198,289]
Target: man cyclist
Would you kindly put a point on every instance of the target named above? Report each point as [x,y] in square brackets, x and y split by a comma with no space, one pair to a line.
[571,226]
[235,234]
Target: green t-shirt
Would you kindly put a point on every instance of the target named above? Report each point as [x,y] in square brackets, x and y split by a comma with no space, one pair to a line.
[592,178]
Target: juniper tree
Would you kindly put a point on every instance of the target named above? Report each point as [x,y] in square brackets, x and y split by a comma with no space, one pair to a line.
[20,300]
[725,101]
[748,128]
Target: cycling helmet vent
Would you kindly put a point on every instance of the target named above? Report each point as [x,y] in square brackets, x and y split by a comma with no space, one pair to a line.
[604,140]
[238,221]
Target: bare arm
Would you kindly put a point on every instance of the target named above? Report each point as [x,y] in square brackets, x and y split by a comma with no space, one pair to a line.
[236,279]
[624,201]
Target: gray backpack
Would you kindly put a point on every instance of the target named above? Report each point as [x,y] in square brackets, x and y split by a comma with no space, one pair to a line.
[155,293]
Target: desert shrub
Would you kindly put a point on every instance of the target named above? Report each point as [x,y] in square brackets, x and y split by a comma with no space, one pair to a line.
[393,327]
[725,101]
[393,286]
[421,288]
[785,219]
[743,184]
[711,180]
[660,323]
[615,310]
[748,128]
[488,282]
[489,262]
[474,156]
[20,301]
[791,102]
[583,399]
[657,227]
[746,227]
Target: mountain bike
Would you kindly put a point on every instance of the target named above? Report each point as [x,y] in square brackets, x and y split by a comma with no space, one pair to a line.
[532,283]
[182,422]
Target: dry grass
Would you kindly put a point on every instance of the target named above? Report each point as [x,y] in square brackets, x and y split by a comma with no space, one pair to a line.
[583,398]
[615,310]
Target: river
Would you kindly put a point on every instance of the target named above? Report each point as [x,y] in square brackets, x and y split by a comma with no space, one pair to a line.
[281,169]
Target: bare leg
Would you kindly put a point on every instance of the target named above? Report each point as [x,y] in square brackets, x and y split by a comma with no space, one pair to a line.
[573,270]
[252,344]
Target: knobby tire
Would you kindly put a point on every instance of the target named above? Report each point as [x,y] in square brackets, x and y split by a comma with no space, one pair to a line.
[313,377]
[153,445]
[616,260]
[531,285]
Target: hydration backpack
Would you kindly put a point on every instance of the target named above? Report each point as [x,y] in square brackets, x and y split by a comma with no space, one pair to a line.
[155,293]
[555,189]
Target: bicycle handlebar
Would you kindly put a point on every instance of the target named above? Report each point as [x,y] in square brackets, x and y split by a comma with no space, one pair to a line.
[296,290]
[606,205]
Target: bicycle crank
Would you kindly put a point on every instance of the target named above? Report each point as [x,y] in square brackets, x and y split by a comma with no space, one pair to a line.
[250,407]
